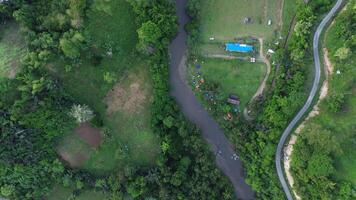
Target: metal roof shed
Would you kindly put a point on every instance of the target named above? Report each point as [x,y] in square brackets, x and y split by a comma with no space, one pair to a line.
[237,47]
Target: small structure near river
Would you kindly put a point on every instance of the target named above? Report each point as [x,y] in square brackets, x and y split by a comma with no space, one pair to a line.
[233,99]
[237,47]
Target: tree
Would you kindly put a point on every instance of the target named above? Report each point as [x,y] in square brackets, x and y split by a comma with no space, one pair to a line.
[7,190]
[137,187]
[109,77]
[149,33]
[82,113]
[342,53]
[71,44]
[320,165]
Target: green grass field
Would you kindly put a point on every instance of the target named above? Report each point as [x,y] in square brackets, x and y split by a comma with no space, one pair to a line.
[12,49]
[60,193]
[234,77]
[224,19]
[64,193]
[131,140]
[289,10]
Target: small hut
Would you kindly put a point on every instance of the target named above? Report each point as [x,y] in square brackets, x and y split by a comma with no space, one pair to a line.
[233,99]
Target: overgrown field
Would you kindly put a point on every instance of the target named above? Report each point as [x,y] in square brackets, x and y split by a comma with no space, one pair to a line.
[12,49]
[117,87]
[90,115]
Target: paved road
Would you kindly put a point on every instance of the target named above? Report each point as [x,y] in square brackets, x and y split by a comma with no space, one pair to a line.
[307,104]
[195,112]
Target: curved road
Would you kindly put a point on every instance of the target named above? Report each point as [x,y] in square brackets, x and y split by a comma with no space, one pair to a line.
[306,106]
[195,112]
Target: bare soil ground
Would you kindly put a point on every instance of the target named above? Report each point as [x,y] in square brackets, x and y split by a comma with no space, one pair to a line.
[76,148]
[74,159]
[89,134]
[129,99]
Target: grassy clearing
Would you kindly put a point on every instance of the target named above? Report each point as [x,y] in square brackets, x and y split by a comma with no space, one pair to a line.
[132,141]
[86,81]
[74,150]
[64,193]
[129,140]
[233,77]
[60,193]
[12,49]
[224,19]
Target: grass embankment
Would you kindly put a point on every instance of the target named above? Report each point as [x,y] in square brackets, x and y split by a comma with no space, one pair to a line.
[122,100]
[12,49]
[343,123]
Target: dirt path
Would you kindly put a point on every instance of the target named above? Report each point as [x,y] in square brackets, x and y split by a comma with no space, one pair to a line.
[280,23]
[264,82]
[268,71]
[288,150]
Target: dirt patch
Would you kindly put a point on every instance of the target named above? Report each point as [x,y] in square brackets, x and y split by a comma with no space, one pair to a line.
[89,134]
[328,66]
[75,160]
[129,98]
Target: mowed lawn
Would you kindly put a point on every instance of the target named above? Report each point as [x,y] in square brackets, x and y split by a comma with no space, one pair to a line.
[233,76]
[12,49]
[122,104]
[224,19]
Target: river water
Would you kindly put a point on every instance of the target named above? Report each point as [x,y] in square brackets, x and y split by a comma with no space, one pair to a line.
[196,113]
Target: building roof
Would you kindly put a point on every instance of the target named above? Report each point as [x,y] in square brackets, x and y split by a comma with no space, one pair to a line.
[237,47]
[233,99]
